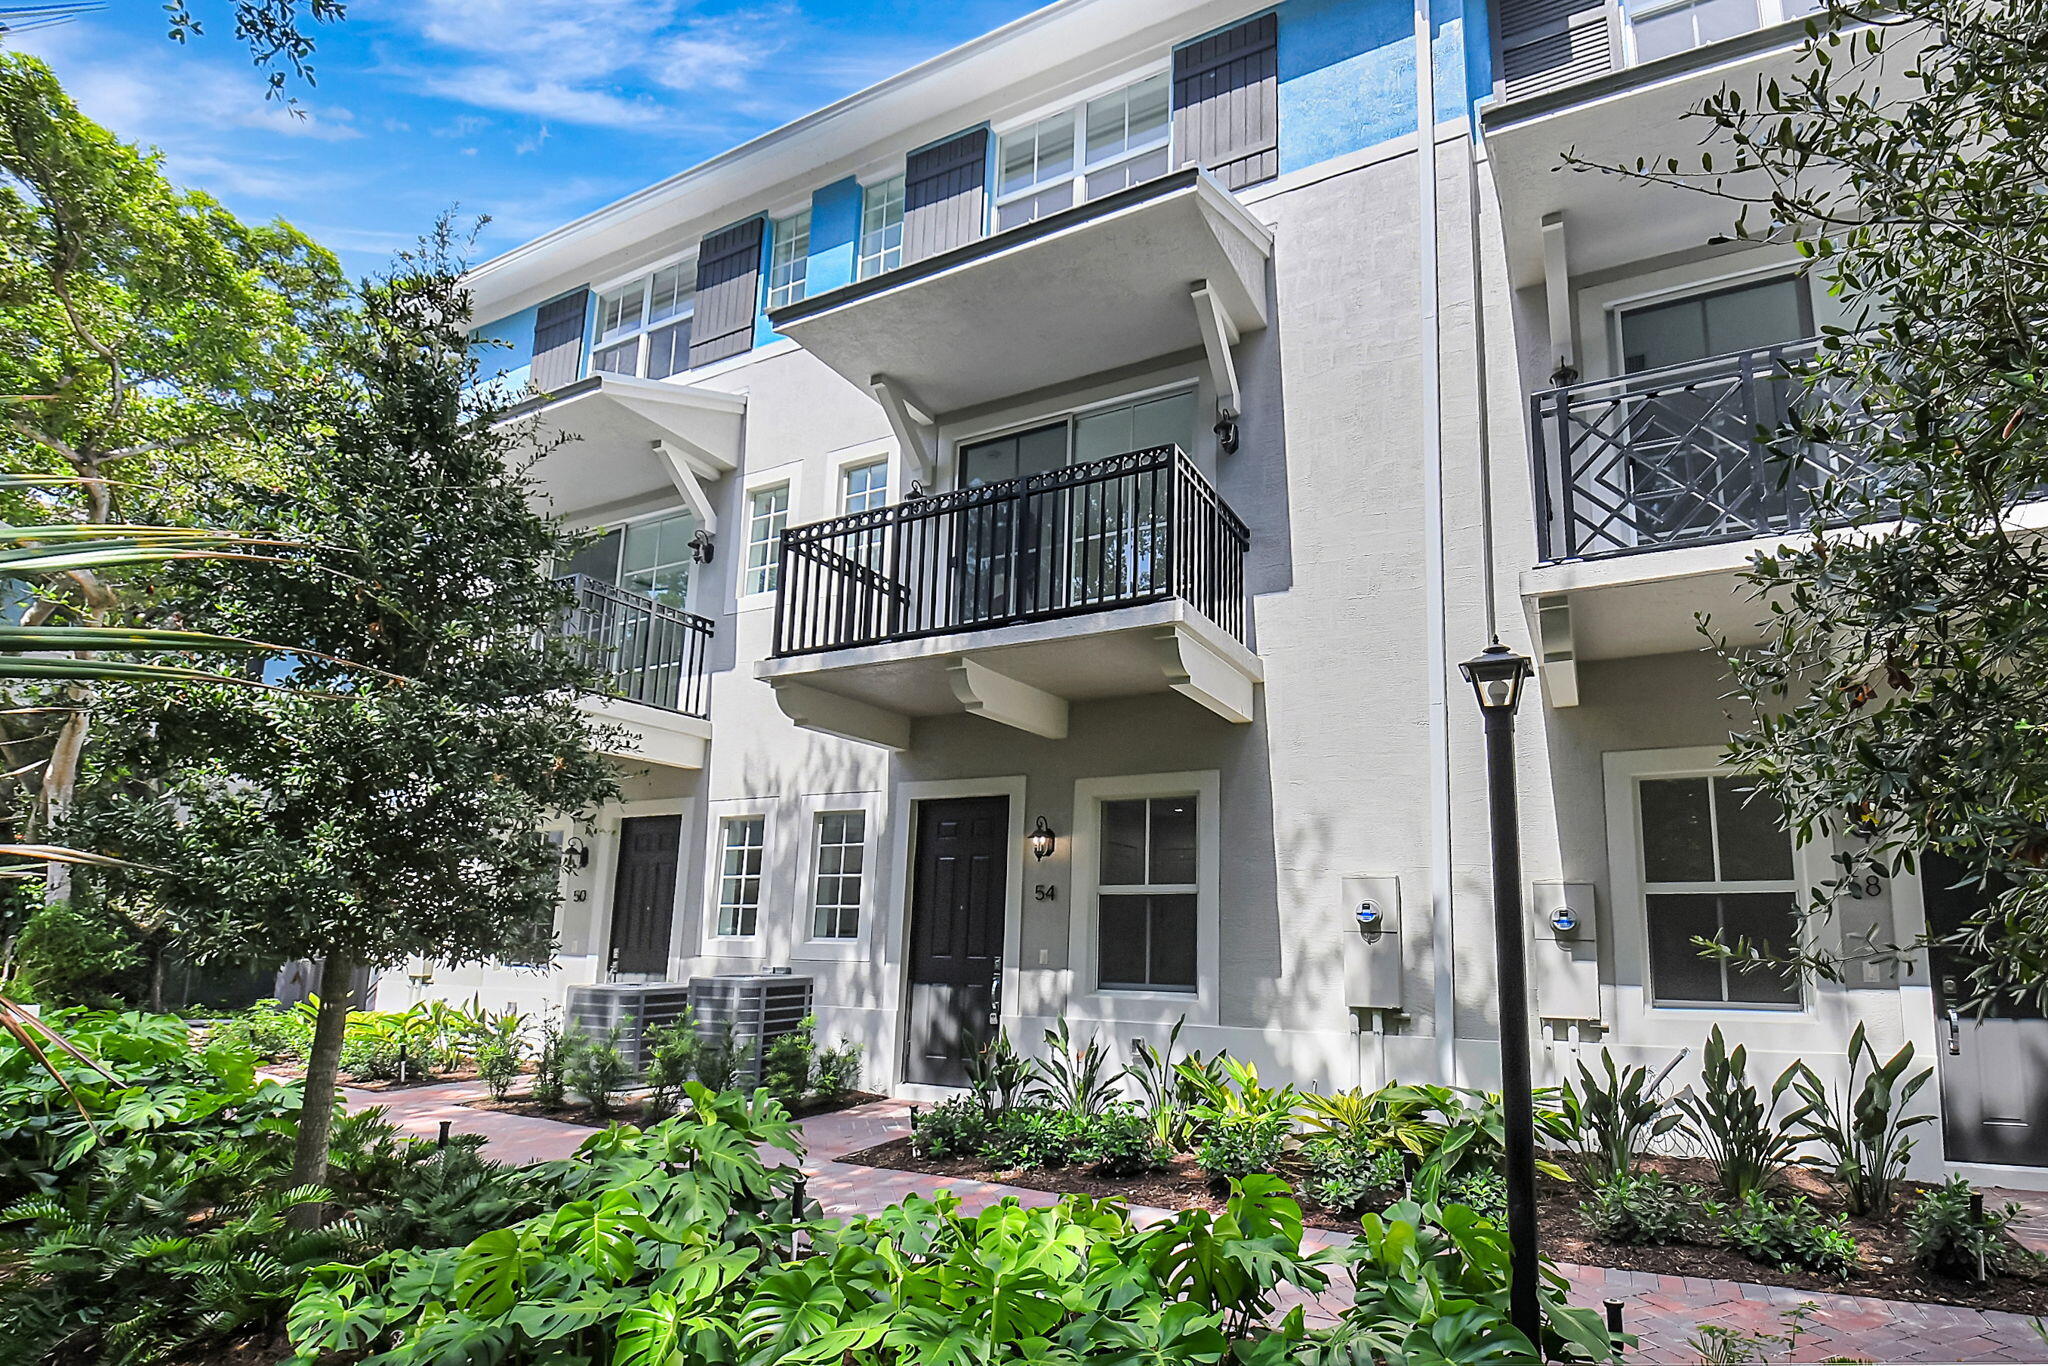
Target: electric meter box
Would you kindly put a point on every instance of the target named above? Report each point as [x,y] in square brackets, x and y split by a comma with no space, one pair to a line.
[1564,951]
[1371,927]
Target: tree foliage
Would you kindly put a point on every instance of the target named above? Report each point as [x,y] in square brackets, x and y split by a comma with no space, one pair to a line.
[1897,705]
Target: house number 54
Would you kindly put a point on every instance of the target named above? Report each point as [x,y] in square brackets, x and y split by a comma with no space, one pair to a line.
[1045,891]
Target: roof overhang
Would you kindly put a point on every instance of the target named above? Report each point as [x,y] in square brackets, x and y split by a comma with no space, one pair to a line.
[1172,265]
[618,440]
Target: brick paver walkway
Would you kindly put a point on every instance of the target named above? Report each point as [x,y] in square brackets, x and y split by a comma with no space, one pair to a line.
[1662,1311]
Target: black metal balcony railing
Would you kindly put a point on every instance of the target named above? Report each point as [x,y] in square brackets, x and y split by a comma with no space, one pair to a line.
[1131,529]
[1684,455]
[652,653]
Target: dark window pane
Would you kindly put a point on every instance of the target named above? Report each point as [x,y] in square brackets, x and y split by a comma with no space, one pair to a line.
[1120,951]
[1678,841]
[599,559]
[1678,972]
[1754,845]
[1173,840]
[1123,843]
[1767,920]
[1173,942]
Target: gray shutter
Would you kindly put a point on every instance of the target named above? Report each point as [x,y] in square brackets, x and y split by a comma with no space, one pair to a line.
[1226,100]
[558,340]
[945,195]
[728,292]
[1548,44]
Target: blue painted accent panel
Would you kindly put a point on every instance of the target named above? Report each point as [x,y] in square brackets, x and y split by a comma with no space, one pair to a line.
[504,350]
[1347,77]
[763,333]
[835,235]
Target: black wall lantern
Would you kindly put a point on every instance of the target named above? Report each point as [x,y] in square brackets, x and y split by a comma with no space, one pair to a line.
[575,855]
[700,546]
[1042,840]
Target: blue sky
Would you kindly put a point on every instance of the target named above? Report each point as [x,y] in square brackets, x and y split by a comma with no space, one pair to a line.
[531,111]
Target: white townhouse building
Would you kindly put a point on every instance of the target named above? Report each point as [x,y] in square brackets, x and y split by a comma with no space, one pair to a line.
[1045,497]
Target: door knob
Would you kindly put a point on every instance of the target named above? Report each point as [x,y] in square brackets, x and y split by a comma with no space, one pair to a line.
[1955,1033]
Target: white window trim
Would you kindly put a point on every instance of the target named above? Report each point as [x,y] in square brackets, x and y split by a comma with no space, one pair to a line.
[1200,1006]
[867,188]
[1769,14]
[791,474]
[1075,108]
[809,809]
[1637,1016]
[638,336]
[893,943]
[867,453]
[772,858]
[775,224]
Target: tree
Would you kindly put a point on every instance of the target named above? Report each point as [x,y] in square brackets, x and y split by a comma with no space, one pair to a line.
[1900,703]
[388,810]
[142,329]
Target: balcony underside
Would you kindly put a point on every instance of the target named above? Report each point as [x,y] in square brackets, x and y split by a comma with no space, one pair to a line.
[651,735]
[624,441]
[1169,266]
[1023,675]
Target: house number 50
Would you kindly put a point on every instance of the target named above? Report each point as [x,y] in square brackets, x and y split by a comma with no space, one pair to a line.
[1045,891]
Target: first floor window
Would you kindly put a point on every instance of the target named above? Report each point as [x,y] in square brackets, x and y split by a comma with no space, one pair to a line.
[741,841]
[767,517]
[1717,865]
[789,258]
[1145,895]
[836,880]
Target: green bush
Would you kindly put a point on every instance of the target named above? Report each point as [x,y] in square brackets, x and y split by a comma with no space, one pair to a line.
[1351,1171]
[1947,1237]
[597,1070]
[1862,1137]
[1614,1118]
[274,1031]
[838,1070]
[498,1064]
[786,1065]
[953,1128]
[1237,1146]
[550,1067]
[1122,1141]
[671,1053]
[720,1059]
[1484,1193]
[72,954]
[1645,1210]
[1740,1131]
[1790,1235]
[372,1058]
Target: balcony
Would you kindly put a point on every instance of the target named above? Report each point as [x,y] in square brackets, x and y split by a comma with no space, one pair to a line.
[1686,461]
[654,657]
[1114,578]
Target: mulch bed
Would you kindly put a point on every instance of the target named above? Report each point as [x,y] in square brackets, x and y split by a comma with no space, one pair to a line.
[633,1110]
[286,1071]
[1887,1270]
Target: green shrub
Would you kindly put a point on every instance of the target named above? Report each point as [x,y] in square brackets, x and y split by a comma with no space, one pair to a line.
[786,1065]
[1351,1171]
[953,1128]
[1613,1119]
[1121,1141]
[838,1070]
[597,1070]
[1862,1138]
[1947,1237]
[1789,1235]
[1164,1092]
[373,1058]
[1237,1146]
[1740,1132]
[274,1031]
[498,1064]
[1035,1136]
[550,1067]
[1484,1193]
[720,1058]
[1075,1078]
[998,1074]
[73,954]
[1645,1209]
[671,1053]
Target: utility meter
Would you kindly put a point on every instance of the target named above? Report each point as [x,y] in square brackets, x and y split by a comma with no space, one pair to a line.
[1372,943]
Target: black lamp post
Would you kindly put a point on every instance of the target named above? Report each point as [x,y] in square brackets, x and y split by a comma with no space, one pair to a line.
[1497,675]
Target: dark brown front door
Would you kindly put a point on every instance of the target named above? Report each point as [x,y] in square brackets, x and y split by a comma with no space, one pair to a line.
[956,934]
[644,893]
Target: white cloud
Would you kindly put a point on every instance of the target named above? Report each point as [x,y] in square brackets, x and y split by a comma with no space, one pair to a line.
[530,145]
[578,61]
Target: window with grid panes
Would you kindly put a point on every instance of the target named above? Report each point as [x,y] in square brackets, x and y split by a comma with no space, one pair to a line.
[1145,895]
[837,874]
[741,842]
[1717,865]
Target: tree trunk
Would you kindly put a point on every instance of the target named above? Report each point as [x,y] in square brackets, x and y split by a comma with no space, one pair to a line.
[323,1065]
[59,788]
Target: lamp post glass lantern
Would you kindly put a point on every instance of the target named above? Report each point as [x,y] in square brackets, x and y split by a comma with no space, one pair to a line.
[1497,675]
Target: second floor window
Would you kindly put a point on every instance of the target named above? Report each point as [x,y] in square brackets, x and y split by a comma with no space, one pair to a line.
[864,486]
[1111,142]
[767,516]
[651,558]
[881,227]
[643,328]
[789,258]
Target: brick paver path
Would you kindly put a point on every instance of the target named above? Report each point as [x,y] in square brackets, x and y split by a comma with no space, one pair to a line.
[1662,1311]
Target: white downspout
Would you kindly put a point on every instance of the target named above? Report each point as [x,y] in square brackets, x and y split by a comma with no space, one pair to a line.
[1442,950]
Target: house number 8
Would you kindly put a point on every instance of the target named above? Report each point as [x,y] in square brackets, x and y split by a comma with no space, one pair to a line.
[1045,891]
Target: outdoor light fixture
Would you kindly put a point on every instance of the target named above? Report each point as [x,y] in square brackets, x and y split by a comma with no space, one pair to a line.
[576,854]
[700,546]
[1497,675]
[1041,839]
